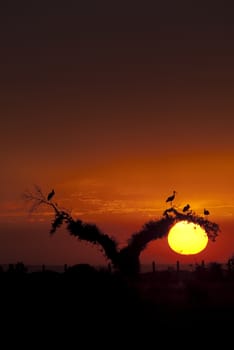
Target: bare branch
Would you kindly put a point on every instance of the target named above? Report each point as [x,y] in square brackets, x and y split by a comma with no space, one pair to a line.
[37,198]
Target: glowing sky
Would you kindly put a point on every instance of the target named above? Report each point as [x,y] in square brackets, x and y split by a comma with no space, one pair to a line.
[115,106]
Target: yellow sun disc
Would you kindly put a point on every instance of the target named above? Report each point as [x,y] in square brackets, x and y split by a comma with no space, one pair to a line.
[187,238]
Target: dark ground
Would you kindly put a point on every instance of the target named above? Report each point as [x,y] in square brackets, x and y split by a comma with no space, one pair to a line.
[88,306]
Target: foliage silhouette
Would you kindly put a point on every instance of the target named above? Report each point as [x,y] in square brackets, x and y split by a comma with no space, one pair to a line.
[125,260]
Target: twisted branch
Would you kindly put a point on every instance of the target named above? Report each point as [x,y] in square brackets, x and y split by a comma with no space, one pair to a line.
[125,260]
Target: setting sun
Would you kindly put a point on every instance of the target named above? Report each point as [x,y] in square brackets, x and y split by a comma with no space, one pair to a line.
[187,238]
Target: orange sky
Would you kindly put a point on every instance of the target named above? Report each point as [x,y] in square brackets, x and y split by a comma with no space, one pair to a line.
[115,108]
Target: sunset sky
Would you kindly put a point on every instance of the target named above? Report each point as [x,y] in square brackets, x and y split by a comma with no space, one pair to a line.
[115,105]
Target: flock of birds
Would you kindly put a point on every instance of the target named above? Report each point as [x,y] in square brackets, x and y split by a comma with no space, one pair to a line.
[171,198]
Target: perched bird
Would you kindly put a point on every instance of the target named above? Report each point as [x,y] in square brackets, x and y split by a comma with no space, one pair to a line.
[50,195]
[171,198]
[206,212]
[186,208]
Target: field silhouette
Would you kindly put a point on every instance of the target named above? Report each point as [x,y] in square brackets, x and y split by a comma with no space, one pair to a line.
[84,300]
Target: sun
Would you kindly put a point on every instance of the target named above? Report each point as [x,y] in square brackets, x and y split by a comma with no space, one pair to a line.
[187,238]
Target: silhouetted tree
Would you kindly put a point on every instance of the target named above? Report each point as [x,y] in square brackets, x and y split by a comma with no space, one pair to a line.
[126,260]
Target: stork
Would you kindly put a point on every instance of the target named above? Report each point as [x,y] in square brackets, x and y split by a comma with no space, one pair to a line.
[171,198]
[50,195]
[206,212]
[186,208]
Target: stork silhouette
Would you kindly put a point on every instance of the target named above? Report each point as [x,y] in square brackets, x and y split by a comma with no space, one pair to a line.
[186,208]
[50,195]
[206,212]
[171,198]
